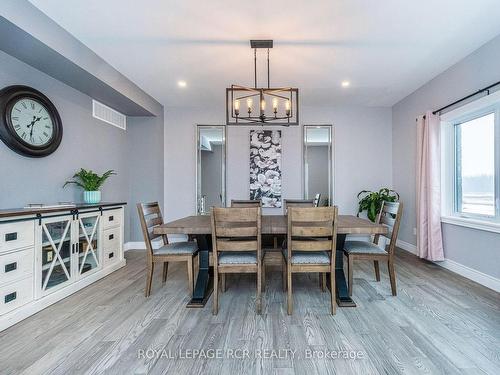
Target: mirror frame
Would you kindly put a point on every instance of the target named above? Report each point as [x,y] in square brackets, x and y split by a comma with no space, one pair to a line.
[331,161]
[198,165]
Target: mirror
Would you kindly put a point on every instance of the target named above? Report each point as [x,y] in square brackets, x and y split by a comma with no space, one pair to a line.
[210,168]
[318,176]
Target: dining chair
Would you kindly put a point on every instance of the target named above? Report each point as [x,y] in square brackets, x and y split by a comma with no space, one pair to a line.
[240,203]
[311,246]
[390,216]
[298,203]
[236,244]
[301,203]
[317,199]
[150,216]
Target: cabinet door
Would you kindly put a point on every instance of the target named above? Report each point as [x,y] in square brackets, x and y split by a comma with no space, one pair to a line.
[88,243]
[54,259]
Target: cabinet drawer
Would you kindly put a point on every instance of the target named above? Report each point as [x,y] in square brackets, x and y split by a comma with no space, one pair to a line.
[111,245]
[16,265]
[15,294]
[112,218]
[17,235]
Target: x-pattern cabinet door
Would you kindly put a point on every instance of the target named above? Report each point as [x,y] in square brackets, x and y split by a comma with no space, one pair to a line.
[88,243]
[55,255]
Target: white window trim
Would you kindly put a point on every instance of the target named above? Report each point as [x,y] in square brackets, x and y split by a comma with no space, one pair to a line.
[449,216]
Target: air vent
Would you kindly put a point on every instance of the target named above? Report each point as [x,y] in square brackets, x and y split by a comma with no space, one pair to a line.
[109,115]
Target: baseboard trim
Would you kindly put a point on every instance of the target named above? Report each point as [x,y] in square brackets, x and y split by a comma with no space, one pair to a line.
[134,246]
[407,246]
[471,274]
[458,268]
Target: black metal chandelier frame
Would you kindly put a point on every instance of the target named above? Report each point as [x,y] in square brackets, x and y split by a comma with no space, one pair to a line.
[237,93]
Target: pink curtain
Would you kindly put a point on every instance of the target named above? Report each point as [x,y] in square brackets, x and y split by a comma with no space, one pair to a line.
[429,237]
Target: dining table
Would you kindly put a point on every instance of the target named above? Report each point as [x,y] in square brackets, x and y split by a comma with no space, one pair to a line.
[199,227]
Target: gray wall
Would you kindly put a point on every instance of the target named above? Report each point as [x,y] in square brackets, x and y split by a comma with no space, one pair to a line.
[144,162]
[87,143]
[358,131]
[475,249]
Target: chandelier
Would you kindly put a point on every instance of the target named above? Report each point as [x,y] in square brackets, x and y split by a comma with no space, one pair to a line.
[251,105]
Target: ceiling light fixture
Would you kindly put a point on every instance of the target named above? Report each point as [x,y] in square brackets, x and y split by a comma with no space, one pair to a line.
[276,106]
[346,83]
[181,83]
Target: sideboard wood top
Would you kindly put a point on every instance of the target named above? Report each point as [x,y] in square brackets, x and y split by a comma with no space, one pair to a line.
[12,212]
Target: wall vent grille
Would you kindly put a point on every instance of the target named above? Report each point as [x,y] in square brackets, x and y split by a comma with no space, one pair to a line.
[109,115]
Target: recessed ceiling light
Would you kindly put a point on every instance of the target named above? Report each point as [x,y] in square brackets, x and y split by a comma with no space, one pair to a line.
[181,83]
[346,83]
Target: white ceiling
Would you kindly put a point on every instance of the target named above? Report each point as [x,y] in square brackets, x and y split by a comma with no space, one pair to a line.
[385,48]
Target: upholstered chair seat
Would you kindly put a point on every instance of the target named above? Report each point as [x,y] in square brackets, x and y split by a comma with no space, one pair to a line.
[362,247]
[174,248]
[309,257]
[237,257]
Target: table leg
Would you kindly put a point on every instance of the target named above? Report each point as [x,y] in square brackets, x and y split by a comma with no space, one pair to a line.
[204,282]
[343,299]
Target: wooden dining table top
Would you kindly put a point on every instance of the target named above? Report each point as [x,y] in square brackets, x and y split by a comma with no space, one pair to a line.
[271,224]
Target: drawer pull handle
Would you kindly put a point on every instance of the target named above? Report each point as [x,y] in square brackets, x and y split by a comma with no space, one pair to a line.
[10,267]
[10,297]
[111,255]
[111,218]
[10,236]
[111,236]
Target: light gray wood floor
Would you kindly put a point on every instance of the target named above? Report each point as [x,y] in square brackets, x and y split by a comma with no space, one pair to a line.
[438,323]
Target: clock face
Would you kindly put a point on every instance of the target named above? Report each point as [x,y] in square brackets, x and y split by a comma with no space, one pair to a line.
[31,122]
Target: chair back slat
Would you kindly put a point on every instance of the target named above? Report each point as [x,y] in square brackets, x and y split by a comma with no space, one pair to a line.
[298,203]
[321,229]
[317,200]
[316,215]
[390,207]
[312,229]
[243,203]
[390,216]
[318,245]
[150,217]
[154,221]
[387,220]
[150,208]
[243,245]
[238,231]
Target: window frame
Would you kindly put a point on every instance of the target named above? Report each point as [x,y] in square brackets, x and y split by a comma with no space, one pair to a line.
[449,174]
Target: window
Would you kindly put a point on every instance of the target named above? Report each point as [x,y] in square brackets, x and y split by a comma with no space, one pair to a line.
[475,166]
[471,164]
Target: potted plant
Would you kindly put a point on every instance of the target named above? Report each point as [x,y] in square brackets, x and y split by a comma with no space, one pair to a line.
[371,201]
[90,182]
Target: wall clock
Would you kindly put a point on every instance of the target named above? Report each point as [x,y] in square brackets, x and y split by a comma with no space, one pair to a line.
[30,124]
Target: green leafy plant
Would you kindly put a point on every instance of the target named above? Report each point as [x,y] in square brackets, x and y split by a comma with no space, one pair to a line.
[88,180]
[371,201]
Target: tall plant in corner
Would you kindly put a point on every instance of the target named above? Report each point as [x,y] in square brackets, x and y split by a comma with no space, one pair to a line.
[90,182]
[371,201]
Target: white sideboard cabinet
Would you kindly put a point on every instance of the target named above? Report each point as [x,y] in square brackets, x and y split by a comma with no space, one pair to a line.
[48,254]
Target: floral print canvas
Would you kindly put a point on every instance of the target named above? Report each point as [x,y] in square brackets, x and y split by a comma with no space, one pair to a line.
[265,167]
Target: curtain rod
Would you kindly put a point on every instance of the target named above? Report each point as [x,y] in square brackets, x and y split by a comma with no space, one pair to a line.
[487,89]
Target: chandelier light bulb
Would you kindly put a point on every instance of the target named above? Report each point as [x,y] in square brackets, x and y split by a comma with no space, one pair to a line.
[275,105]
[287,107]
[236,107]
[263,105]
[249,105]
